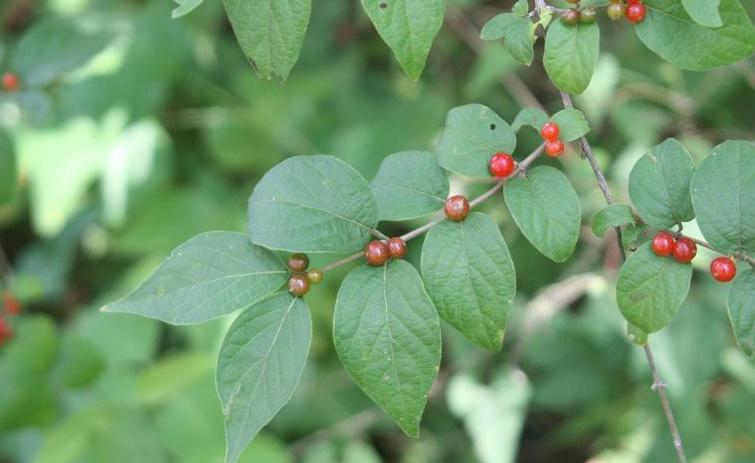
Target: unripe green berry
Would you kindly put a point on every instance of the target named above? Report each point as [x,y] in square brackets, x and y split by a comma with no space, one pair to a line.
[588,15]
[616,11]
[570,17]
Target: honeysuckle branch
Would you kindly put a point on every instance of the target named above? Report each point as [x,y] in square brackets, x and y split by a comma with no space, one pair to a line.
[658,384]
[521,168]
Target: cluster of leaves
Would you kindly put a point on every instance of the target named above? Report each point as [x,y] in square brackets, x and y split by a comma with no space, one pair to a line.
[386,327]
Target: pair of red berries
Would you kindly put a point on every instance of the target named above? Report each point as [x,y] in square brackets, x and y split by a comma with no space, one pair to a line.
[378,252]
[300,279]
[553,146]
[11,82]
[684,250]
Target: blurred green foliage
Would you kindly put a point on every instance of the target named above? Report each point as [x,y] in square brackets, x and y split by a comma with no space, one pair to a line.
[133,132]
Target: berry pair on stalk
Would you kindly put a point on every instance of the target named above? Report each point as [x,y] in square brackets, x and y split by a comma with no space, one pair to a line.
[684,250]
[301,279]
[553,146]
[378,252]
[635,10]
[572,16]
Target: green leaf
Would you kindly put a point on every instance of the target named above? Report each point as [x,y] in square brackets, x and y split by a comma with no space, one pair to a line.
[408,185]
[532,117]
[260,362]
[521,8]
[631,234]
[612,216]
[651,289]
[704,12]
[53,47]
[473,133]
[184,7]
[470,277]
[571,53]
[546,208]
[659,185]
[312,204]
[270,32]
[8,169]
[636,335]
[517,34]
[669,32]
[572,124]
[408,27]
[742,310]
[387,334]
[211,275]
[723,193]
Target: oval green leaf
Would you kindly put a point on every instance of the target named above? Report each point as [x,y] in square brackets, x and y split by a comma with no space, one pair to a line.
[742,310]
[408,27]
[211,275]
[408,185]
[546,208]
[259,365]
[704,12]
[387,335]
[612,216]
[651,289]
[533,117]
[473,133]
[312,204]
[723,194]
[572,124]
[659,185]
[670,32]
[271,33]
[470,277]
[571,54]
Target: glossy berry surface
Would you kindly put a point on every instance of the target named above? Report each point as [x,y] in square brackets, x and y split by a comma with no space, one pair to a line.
[685,250]
[663,244]
[396,247]
[636,12]
[570,17]
[11,82]
[550,131]
[723,269]
[616,11]
[5,332]
[298,262]
[456,208]
[588,15]
[501,165]
[376,253]
[298,284]
[315,276]
[554,149]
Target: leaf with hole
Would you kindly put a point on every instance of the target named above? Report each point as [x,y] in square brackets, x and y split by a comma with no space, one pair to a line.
[659,185]
[259,365]
[312,204]
[387,335]
[473,133]
[211,275]
[651,289]
[546,208]
[474,293]
[723,194]
[408,185]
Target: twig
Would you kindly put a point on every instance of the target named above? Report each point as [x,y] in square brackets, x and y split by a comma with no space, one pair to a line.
[738,255]
[380,235]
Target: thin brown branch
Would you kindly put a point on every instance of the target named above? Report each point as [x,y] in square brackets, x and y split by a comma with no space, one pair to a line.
[739,255]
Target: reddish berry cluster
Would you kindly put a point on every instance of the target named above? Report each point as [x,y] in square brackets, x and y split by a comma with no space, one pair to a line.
[11,82]
[300,279]
[502,165]
[378,252]
[572,16]
[553,146]
[684,250]
[11,307]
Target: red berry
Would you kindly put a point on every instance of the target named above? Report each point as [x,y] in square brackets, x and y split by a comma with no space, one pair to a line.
[635,12]
[723,269]
[376,253]
[298,262]
[298,284]
[685,250]
[396,247]
[663,244]
[456,208]
[6,333]
[550,131]
[502,165]
[554,149]
[11,82]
